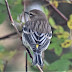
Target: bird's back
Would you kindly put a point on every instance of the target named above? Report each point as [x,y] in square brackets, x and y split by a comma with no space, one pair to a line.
[39,25]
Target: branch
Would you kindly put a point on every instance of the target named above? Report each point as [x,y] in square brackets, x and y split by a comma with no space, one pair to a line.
[26,48]
[39,68]
[9,35]
[11,19]
[65,18]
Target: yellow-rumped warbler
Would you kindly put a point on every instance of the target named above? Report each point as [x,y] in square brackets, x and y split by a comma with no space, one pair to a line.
[37,34]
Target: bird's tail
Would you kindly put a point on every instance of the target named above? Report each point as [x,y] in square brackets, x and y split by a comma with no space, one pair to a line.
[37,59]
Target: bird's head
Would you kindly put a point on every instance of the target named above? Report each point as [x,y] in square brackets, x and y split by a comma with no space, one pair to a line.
[35,14]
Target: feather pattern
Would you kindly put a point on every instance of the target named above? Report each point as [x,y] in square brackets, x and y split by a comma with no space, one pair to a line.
[33,38]
[36,35]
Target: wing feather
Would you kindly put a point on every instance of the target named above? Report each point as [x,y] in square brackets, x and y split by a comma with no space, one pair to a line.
[33,38]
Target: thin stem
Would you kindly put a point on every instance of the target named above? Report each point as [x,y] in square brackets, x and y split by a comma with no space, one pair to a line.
[26,61]
[39,68]
[29,53]
[27,50]
[9,35]
[65,18]
[9,13]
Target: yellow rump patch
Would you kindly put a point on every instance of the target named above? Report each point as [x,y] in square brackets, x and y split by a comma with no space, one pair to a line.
[37,45]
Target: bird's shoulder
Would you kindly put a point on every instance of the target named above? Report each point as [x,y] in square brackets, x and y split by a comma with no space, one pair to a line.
[38,25]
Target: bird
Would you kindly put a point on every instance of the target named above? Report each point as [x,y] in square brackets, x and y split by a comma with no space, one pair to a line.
[37,34]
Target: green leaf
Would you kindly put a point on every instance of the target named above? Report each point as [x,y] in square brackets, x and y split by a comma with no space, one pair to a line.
[45,10]
[55,44]
[58,50]
[60,65]
[52,22]
[67,56]
[54,39]
[51,46]
[57,40]
[58,30]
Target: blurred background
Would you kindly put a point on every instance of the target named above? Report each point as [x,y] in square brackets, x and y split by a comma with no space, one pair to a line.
[58,56]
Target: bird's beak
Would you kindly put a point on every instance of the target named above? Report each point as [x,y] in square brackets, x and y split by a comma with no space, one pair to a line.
[26,13]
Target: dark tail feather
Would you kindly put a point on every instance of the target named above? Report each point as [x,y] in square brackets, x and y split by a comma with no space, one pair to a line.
[37,59]
[34,58]
[40,62]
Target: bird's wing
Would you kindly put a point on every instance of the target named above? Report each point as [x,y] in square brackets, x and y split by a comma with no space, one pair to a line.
[34,38]
[44,41]
[27,33]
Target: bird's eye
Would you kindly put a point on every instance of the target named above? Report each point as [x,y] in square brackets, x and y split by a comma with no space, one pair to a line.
[31,14]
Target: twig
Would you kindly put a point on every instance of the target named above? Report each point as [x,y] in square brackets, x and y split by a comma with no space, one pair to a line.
[29,53]
[5,65]
[65,18]
[26,61]
[39,68]
[11,19]
[9,35]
